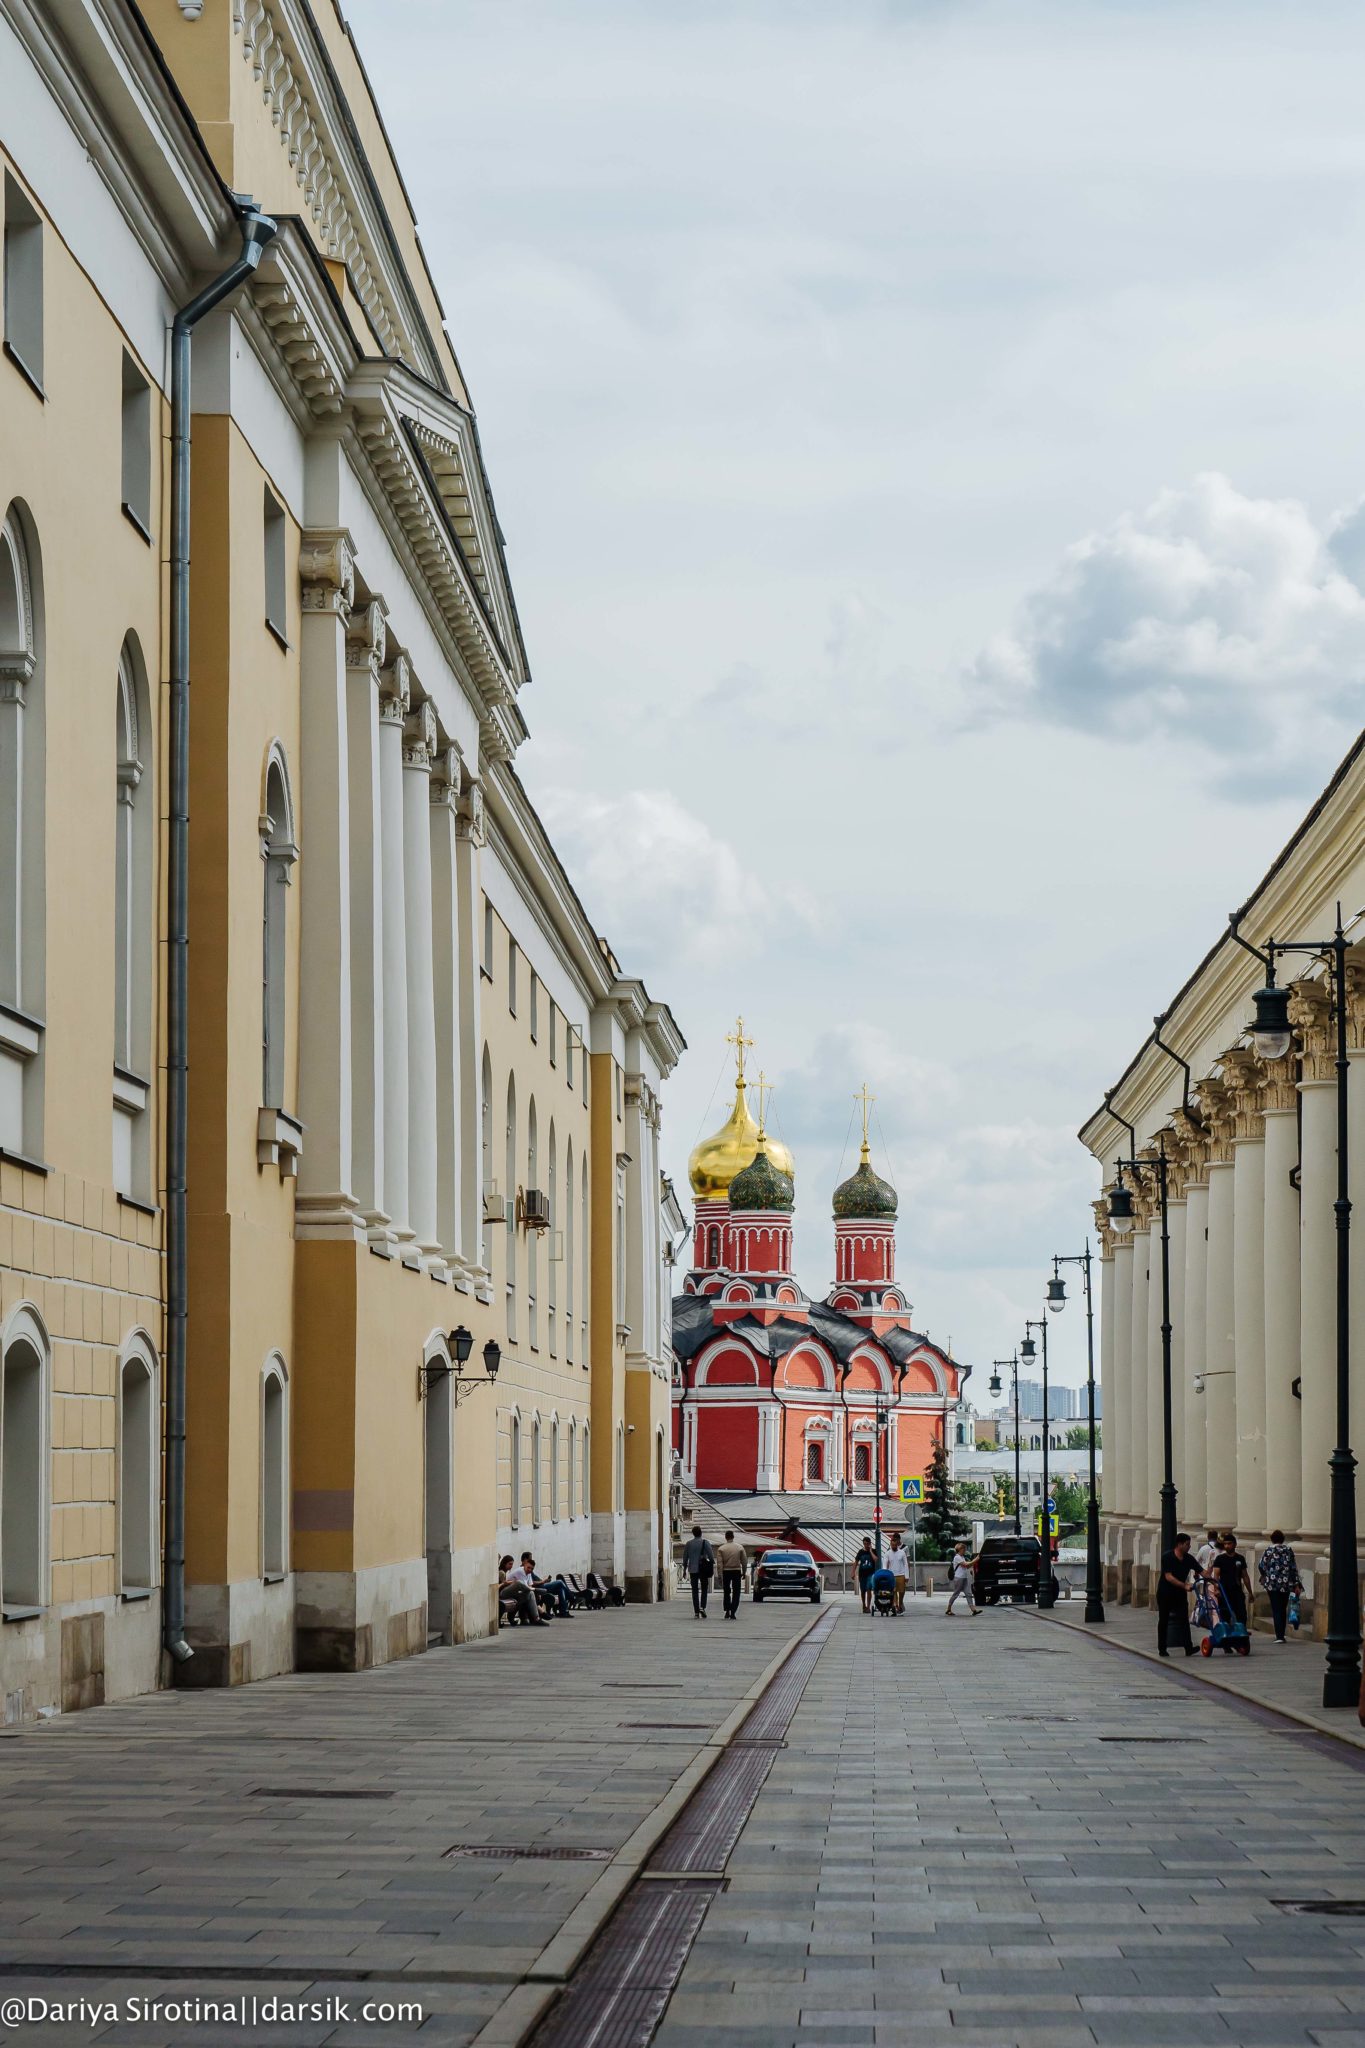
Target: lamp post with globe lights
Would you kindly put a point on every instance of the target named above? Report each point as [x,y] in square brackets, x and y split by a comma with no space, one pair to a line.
[1056,1301]
[1028,1351]
[1273,1036]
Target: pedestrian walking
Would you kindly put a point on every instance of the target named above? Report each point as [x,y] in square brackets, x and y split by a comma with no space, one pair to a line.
[960,1568]
[1234,1583]
[699,1562]
[1277,1568]
[731,1559]
[865,1564]
[1207,1552]
[1173,1599]
[898,1564]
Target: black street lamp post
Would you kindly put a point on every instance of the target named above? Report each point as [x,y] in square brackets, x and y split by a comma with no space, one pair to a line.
[1056,1301]
[879,1453]
[1121,1218]
[1273,1036]
[1047,1596]
[995,1385]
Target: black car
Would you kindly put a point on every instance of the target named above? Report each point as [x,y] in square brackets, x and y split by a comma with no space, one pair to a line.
[1008,1568]
[782,1572]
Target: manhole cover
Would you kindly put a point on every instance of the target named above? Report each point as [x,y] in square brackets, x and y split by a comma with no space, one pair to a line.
[695,1727]
[314,1792]
[508,1852]
[1151,1738]
[1335,1909]
[640,1685]
[1038,1717]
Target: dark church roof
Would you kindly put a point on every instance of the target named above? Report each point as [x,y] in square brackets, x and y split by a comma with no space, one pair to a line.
[694,1327]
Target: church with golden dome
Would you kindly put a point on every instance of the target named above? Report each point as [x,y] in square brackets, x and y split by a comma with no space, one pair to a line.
[776,1392]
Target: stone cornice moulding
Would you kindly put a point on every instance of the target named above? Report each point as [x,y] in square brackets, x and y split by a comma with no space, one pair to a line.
[291,68]
[544,889]
[135,134]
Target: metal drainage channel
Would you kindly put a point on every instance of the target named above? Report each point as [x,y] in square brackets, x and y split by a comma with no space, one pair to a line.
[617,1996]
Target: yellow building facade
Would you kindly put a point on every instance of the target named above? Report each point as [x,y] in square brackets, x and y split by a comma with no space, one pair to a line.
[421,1100]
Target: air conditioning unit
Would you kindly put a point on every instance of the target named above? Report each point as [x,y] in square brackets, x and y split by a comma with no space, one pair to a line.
[494,1208]
[533,1209]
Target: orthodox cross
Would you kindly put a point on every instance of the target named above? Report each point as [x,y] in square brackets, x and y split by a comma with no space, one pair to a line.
[765,1089]
[866,1101]
[741,1044]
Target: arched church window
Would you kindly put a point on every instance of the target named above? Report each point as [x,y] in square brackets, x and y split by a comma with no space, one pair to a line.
[815,1461]
[862,1464]
[713,1246]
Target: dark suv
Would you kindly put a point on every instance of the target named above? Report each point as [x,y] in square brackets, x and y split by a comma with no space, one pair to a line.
[1008,1568]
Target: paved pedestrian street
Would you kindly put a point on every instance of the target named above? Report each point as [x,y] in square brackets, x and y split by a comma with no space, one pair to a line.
[991,1831]
[997,1831]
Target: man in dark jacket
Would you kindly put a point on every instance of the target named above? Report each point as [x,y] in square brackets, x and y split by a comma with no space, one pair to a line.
[699,1562]
[1173,1598]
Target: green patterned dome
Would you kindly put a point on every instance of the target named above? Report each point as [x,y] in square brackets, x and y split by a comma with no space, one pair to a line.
[865,1193]
[761,1185]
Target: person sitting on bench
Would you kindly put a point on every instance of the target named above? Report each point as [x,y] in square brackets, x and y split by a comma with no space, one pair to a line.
[516,1601]
[550,1592]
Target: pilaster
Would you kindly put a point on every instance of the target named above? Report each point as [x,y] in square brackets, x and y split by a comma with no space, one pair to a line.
[393,711]
[364,660]
[1245,1077]
[419,745]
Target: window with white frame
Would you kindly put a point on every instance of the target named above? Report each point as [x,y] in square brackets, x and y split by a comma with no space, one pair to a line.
[135,468]
[276,614]
[23,282]
[486,963]
[511,974]
[587,1468]
[511,1230]
[514,1474]
[573,1475]
[862,1464]
[554,1032]
[25,1455]
[568,1251]
[22,839]
[134,833]
[278,854]
[486,1160]
[620,1287]
[556,1246]
[554,1469]
[815,1458]
[536,1501]
[138,1445]
[585,1275]
[532,1236]
[274,1471]
[535,1006]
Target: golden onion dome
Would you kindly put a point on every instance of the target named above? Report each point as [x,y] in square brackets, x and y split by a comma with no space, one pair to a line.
[717,1159]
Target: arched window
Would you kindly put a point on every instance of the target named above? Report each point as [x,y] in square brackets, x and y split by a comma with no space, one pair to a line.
[138,1437]
[554,1470]
[24,1460]
[573,1472]
[274,1470]
[278,854]
[510,1160]
[815,1460]
[587,1468]
[862,1464]
[713,1246]
[486,1160]
[22,839]
[134,800]
[532,1236]
[536,1502]
[556,1247]
[583,1252]
[568,1251]
[514,1470]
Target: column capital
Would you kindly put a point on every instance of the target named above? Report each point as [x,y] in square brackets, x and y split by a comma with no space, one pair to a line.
[419,736]
[470,821]
[1310,1012]
[365,633]
[1104,1229]
[1216,1106]
[395,690]
[1245,1076]
[445,775]
[327,570]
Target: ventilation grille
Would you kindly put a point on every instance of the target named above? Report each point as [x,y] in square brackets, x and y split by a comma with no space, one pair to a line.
[508,1852]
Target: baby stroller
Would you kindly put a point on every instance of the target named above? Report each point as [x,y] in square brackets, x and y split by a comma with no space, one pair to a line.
[1225,1631]
[883,1591]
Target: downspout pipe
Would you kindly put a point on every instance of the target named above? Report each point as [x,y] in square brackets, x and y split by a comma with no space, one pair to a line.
[257,230]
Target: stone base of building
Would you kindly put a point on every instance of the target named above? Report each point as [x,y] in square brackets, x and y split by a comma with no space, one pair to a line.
[238,1632]
[644,1580]
[351,1621]
[74,1656]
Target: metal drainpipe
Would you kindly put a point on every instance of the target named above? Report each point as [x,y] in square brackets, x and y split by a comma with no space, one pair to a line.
[257,231]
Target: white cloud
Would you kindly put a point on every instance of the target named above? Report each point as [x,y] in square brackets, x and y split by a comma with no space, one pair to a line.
[1231,624]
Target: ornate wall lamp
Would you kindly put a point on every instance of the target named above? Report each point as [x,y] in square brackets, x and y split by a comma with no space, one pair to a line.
[461,1342]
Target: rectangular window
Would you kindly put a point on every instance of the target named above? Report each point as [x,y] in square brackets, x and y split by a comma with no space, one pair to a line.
[486,964]
[568,1055]
[137,447]
[23,262]
[511,974]
[275,614]
[554,1033]
[535,1006]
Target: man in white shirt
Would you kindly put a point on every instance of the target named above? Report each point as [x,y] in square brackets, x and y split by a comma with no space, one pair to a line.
[898,1564]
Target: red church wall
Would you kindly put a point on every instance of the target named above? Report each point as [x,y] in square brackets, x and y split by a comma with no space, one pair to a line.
[919,1379]
[732,1370]
[800,1372]
[727,1448]
[794,1460]
[916,1435]
[863,1378]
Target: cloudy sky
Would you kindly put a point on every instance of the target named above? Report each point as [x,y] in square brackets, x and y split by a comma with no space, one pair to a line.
[928,435]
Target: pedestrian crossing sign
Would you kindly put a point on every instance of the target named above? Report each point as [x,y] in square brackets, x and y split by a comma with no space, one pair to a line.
[912,1491]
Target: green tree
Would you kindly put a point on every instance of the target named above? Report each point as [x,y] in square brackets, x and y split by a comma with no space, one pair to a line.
[940,1523]
[1078,1436]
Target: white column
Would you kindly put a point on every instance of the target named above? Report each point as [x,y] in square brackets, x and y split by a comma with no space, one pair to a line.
[1355,1110]
[445,954]
[1118,1464]
[1179,1225]
[419,744]
[1193,1481]
[1139,1450]
[393,706]
[1248,1281]
[469,842]
[364,659]
[324,1203]
[1220,1406]
[1156,1459]
[1317,1302]
[1103,1278]
[1283,1433]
